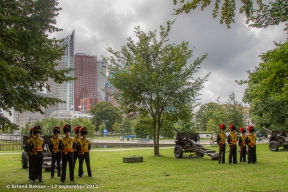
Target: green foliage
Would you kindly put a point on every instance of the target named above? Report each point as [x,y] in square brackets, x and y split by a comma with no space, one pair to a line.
[116,127]
[27,56]
[158,174]
[101,129]
[84,122]
[143,127]
[234,111]
[105,112]
[125,127]
[168,129]
[267,89]
[153,77]
[273,13]
[211,113]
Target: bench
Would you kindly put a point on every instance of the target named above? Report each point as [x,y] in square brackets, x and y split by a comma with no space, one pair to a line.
[143,140]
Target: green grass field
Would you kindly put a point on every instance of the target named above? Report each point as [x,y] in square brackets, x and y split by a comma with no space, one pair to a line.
[165,173]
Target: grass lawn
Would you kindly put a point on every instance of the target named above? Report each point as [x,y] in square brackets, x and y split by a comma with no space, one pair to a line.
[165,173]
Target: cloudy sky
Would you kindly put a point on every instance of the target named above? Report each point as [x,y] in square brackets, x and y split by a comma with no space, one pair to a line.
[231,52]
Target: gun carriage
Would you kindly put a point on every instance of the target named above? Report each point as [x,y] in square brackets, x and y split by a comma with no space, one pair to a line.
[188,143]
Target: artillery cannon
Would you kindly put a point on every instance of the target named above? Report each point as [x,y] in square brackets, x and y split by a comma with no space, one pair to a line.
[47,160]
[187,143]
[277,139]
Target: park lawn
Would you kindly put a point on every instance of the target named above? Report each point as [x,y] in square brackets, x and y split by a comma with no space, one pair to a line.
[164,173]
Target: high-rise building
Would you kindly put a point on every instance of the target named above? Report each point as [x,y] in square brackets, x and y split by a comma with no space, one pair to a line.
[65,90]
[86,83]
[101,80]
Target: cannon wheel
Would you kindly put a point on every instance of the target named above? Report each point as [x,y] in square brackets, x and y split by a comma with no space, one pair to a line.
[178,151]
[273,146]
[24,160]
[199,154]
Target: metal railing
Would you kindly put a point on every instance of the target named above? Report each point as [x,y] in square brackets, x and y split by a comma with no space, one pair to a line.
[11,142]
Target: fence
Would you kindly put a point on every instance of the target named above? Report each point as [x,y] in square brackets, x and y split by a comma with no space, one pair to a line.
[11,142]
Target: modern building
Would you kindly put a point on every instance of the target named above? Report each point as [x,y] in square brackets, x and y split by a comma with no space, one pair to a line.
[85,86]
[69,115]
[101,80]
[87,103]
[65,90]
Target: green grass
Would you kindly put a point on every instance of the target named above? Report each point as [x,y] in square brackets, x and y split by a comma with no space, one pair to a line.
[164,173]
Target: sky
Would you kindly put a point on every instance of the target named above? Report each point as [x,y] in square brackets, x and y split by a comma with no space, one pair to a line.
[100,24]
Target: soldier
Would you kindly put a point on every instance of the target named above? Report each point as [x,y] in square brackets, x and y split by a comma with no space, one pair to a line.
[36,148]
[67,145]
[77,138]
[56,153]
[27,149]
[242,144]
[83,147]
[232,141]
[221,141]
[251,142]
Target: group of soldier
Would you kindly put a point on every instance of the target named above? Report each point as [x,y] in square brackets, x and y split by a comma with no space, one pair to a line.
[66,150]
[232,140]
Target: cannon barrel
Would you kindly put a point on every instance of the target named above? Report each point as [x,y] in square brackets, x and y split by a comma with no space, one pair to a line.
[268,130]
[176,130]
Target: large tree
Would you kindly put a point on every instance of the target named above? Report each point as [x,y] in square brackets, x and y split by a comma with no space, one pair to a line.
[260,15]
[105,112]
[210,116]
[27,56]
[267,89]
[153,77]
[234,111]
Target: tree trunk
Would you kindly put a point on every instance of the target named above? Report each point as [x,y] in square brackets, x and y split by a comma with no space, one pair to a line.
[156,139]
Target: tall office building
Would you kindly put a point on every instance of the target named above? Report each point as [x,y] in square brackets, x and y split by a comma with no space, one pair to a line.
[101,80]
[86,83]
[65,90]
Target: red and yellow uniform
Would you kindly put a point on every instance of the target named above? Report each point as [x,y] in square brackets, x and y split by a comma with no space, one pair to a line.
[67,146]
[242,144]
[55,151]
[221,141]
[83,147]
[232,141]
[251,142]
[36,149]
[77,138]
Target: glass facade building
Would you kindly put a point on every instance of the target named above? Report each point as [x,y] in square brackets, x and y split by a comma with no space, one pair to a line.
[65,90]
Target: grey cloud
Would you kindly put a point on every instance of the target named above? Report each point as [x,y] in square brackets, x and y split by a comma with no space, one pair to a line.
[231,52]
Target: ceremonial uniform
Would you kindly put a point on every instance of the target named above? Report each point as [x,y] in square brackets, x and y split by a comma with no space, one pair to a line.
[221,141]
[77,138]
[55,151]
[36,148]
[67,146]
[83,147]
[242,145]
[29,152]
[251,142]
[232,141]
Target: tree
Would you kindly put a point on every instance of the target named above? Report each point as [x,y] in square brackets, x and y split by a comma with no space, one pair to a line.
[116,127]
[267,89]
[143,126]
[234,111]
[84,122]
[273,13]
[27,56]
[125,126]
[101,129]
[153,78]
[212,112]
[105,112]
